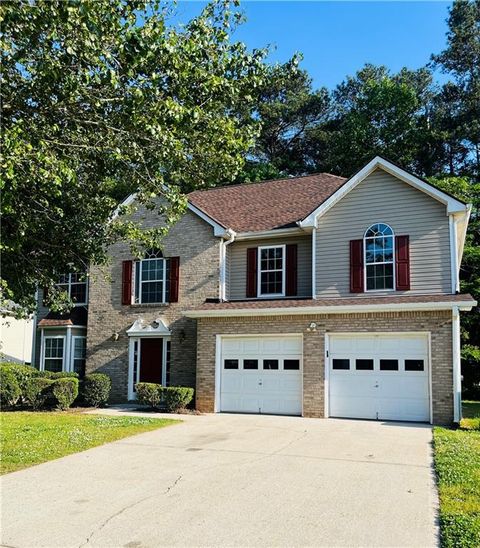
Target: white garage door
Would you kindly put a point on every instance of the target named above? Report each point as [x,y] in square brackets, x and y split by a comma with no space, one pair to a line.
[381,377]
[261,375]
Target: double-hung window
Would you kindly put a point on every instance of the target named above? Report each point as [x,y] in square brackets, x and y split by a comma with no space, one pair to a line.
[152,279]
[79,354]
[76,286]
[271,271]
[53,353]
[379,258]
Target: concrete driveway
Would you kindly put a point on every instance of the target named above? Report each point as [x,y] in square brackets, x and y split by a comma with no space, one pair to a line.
[233,480]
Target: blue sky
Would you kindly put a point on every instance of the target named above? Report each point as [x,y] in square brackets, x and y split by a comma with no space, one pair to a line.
[337,38]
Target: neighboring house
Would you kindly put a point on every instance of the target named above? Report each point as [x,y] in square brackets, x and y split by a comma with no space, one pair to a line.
[16,340]
[314,296]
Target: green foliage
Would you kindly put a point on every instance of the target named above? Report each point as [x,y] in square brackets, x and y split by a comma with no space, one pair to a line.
[65,391]
[457,461]
[9,388]
[176,397]
[23,373]
[37,390]
[148,393]
[100,98]
[96,389]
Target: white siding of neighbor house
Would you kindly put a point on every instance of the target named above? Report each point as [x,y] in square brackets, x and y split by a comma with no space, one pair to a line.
[382,197]
[237,264]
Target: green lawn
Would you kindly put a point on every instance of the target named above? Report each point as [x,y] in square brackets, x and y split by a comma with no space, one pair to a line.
[457,463]
[31,438]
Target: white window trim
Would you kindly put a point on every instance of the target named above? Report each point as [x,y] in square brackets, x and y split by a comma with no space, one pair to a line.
[259,271]
[72,353]
[69,288]
[138,299]
[42,361]
[392,262]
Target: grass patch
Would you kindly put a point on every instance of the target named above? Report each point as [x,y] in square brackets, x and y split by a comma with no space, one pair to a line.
[457,463]
[31,438]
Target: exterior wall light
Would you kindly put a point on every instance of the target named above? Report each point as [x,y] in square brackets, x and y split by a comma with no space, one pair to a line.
[312,328]
[115,337]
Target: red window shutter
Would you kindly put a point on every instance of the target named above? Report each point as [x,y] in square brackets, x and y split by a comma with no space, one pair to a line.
[402,263]
[174,278]
[252,253]
[356,266]
[291,270]
[127,267]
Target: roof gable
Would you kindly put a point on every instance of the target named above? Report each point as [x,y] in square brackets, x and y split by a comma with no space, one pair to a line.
[452,204]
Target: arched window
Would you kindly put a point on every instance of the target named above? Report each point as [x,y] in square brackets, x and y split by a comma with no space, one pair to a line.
[379,241]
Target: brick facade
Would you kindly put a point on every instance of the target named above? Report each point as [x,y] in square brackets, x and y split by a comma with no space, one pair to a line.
[193,241]
[439,324]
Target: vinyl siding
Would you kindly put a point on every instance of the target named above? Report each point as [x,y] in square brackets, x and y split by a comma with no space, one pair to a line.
[383,198]
[237,264]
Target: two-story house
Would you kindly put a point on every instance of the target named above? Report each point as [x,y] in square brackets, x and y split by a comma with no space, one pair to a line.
[314,296]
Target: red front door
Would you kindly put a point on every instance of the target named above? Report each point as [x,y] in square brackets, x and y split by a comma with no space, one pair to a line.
[151,353]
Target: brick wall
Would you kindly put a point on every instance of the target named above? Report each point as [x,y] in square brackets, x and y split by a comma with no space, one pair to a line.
[193,241]
[438,323]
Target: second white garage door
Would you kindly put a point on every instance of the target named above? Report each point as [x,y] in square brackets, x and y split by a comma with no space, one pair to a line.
[379,376]
[261,375]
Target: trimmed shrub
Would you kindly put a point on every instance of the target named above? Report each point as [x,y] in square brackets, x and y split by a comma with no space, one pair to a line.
[37,390]
[9,388]
[96,389]
[23,374]
[149,393]
[176,397]
[63,375]
[65,390]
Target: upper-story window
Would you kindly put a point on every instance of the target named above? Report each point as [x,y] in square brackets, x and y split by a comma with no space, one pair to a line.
[76,286]
[271,271]
[379,257]
[152,278]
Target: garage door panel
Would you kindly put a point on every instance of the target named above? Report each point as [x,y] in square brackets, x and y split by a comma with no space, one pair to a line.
[383,394]
[262,390]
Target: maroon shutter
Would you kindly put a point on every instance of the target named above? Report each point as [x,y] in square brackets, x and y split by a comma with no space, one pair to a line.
[127,267]
[402,263]
[174,278]
[291,271]
[252,271]
[356,266]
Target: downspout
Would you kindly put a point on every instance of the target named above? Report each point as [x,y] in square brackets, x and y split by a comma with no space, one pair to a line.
[457,374]
[34,334]
[223,263]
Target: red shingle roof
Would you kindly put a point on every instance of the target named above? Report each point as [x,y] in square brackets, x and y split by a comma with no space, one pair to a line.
[76,316]
[267,205]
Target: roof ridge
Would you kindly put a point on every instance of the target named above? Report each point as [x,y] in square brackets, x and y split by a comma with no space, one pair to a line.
[221,187]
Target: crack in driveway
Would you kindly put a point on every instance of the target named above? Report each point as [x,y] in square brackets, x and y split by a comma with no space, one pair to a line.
[127,507]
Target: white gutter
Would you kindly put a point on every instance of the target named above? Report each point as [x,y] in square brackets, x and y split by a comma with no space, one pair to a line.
[332,309]
[223,264]
[457,374]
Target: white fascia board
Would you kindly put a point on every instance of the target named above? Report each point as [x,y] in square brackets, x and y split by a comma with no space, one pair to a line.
[339,309]
[453,205]
[62,327]
[128,201]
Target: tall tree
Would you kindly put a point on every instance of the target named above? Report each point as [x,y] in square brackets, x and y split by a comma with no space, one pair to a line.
[102,97]
[288,107]
[461,59]
[375,112]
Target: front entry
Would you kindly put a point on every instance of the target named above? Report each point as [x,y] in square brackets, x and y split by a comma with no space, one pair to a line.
[151,360]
